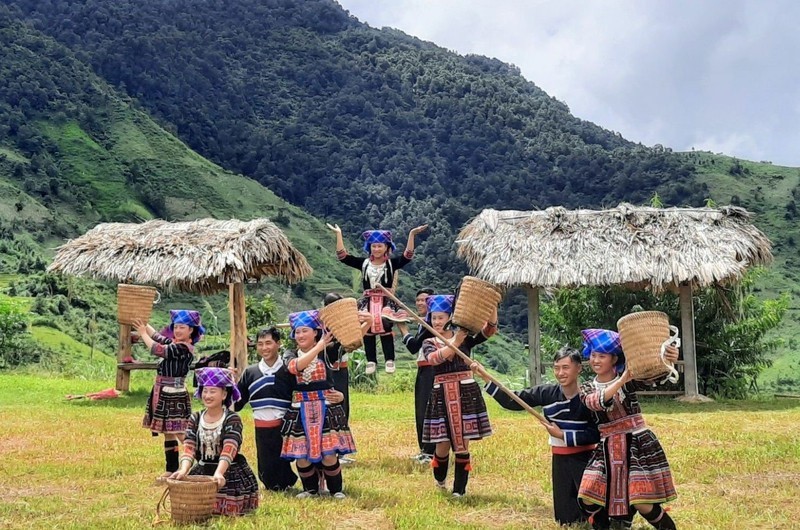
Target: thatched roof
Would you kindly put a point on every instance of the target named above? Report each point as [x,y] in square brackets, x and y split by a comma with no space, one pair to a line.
[643,247]
[197,256]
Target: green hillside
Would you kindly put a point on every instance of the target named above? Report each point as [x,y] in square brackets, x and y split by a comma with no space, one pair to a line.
[771,193]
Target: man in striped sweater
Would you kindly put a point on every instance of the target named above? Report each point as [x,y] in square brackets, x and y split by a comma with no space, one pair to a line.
[573,433]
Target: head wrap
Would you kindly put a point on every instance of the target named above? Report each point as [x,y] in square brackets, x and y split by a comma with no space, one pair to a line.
[440,303]
[304,319]
[184,316]
[377,236]
[218,378]
[603,341]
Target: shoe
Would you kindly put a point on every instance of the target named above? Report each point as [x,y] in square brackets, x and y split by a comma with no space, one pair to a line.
[339,495]
[424,459]
[305,495]
[441,485]
[324,493]
[390,367]
[371,367]
[457,495]
[346,460]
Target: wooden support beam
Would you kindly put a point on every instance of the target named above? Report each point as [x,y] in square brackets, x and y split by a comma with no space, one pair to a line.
[534,336]
[238,318]
[124,351]
[687,341]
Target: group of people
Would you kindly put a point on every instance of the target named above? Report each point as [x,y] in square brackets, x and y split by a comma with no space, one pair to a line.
[606,463]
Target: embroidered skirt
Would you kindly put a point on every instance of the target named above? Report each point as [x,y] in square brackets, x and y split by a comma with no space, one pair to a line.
[627,468]
[239,495]
[456,411]
[313,429]
[168,409]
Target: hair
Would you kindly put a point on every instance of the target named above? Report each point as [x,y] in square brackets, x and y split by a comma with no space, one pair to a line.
[272,331]
[424,290]
[228,401]
[573,354]
[331,298]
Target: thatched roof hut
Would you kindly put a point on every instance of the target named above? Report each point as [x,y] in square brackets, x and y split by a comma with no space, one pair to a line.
[678,249]
[658,248]
[202,256]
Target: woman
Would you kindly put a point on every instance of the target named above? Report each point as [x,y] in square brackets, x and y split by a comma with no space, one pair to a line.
[378,269]
[212,444]
[169,406]
[628,472]
[456,411]
[314,430]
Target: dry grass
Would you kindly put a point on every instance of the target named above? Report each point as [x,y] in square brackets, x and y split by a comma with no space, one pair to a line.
[90,465]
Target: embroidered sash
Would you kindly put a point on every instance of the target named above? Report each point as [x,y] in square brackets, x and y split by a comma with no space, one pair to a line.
[451,387]
[376,310]
[615,434]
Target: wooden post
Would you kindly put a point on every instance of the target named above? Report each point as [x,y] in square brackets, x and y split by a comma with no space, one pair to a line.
[238,318]
[123,352]
[687,341]
[534,336]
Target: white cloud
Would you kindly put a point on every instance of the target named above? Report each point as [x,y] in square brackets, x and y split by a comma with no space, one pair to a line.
[675,72]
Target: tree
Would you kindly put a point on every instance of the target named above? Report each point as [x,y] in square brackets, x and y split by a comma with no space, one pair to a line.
[12,327]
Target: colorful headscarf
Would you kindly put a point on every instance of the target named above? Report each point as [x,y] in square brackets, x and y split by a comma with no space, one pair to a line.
[307,319]
[377,236]
[184,316]
[440,303]
[219,378]
[603,341]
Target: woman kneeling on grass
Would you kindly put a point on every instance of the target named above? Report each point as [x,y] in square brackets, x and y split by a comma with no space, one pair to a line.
[628,471]
[212,444]
[456,411]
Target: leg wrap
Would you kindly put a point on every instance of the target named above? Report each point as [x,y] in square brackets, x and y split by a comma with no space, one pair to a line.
[171,455]
[439,465]
[333,477]
[309,478]
[463,467]
[659,518]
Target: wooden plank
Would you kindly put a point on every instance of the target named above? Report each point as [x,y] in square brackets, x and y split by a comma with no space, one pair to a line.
[687,341]
[123,383]
[137,366]
[534,336]
[659,392]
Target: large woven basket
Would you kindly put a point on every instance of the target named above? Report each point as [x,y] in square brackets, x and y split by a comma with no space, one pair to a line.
[475,303]
[642,335]
[341,317]
[191,500]
[135,302]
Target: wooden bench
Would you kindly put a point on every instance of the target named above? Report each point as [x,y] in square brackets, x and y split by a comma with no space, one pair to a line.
[137,366]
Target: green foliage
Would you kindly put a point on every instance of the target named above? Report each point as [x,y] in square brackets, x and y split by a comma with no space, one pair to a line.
[14,343]
[261,312]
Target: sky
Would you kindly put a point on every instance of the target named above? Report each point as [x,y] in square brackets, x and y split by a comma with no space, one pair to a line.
[714,75]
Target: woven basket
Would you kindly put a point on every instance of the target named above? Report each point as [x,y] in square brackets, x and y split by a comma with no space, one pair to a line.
[642,335]
[475,303]
[191,500]
[341,317]
[135,302]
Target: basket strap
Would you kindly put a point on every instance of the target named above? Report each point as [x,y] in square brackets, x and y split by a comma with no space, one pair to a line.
[158,297]
[162,503]
[673,340]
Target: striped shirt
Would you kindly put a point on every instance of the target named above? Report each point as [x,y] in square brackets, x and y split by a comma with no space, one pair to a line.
[268,389]
[176,357]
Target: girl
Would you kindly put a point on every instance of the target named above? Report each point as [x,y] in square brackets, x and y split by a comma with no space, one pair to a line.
[314,430]
[212,444]
[456,411]
[169,406]
[378,269]
[628,472]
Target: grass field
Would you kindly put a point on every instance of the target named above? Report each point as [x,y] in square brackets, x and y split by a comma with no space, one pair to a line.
[82,464]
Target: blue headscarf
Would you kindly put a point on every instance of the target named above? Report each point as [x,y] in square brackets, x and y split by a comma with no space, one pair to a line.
[307,319]
[440,303]
[377,236]
[603,341]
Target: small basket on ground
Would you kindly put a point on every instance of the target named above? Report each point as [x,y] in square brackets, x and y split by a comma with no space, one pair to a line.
[644,336]
[191,500]
[135,302]
[341,317]
[475,303]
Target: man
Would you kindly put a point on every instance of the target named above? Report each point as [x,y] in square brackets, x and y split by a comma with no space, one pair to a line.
[573,433]
[424,381]
[267,386]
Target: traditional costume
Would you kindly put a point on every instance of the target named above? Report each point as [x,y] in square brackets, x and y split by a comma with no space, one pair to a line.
[570,455]
[312,427]
[456,410]
[268,389]
[169,405]
[208,443]
[629,465]
[373,300]
[423,385]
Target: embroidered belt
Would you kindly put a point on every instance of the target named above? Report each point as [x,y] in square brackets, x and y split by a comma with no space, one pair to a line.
[313,395]
[451,392]
[615,434]
[452,377]
[268,424]
[575,449]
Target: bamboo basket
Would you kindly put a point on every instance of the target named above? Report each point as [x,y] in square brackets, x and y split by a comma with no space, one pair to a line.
[135,302]
[476,301]
[643,336]
[341,317]
[191,500]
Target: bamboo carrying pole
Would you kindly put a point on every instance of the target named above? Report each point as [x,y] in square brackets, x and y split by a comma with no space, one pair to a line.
[467,359]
